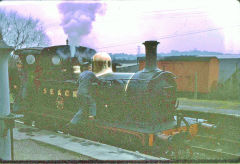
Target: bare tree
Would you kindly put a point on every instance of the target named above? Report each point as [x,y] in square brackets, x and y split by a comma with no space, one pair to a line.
[22,32]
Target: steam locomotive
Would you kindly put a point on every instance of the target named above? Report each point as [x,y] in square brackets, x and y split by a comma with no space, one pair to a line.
[137,110]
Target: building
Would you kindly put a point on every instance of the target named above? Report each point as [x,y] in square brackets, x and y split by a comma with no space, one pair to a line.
[127,67]
[228,66]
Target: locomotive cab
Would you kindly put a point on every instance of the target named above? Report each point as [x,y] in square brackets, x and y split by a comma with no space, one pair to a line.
[48,82]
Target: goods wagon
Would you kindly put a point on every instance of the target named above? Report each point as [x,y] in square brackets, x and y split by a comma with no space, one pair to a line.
[193,73]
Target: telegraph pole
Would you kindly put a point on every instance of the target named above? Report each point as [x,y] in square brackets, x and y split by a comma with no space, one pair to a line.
[196,86]
[5,139]
[138,50]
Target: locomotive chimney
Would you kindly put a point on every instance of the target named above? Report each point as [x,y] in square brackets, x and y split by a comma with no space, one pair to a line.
[151,56]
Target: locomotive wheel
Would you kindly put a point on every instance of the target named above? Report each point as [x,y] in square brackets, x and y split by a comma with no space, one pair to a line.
[179,152]
[183,153]
[179,146]
[27,119]
[46,123]
[40,123]
[66,128]
[28,122]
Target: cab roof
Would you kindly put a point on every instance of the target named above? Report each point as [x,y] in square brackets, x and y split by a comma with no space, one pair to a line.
[64,51]
[28,51]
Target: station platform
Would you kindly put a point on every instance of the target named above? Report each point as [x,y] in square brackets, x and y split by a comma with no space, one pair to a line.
[94,150]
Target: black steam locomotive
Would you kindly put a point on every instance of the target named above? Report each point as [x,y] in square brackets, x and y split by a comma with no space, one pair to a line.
[137,110]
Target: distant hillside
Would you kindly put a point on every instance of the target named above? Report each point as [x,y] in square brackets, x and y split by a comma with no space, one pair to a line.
[123,56]
[190,53]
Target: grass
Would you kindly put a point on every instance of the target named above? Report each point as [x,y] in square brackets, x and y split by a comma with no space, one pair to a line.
[217,104]
[11,98]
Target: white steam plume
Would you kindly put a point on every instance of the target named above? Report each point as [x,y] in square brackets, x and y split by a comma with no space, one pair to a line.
[78,18]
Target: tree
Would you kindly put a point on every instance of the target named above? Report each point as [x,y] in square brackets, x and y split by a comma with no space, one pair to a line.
[22,32]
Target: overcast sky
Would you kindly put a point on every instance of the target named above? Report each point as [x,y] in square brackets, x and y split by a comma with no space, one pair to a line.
[121,26]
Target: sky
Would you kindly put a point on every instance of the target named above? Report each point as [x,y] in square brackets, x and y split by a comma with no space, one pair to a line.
[116,26]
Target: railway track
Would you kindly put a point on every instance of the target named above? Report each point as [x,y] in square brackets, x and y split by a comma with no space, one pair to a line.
[227,149]
[218,132]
